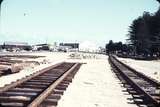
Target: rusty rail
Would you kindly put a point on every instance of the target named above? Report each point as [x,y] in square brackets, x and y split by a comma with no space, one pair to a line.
[33,90]
[46,92]
[138,81]
[7,87]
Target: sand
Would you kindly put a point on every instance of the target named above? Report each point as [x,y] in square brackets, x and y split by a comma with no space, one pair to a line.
[50,59]
[95,85]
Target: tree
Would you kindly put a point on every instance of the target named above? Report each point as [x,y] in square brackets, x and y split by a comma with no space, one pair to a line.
[144,34]
[141,33]
[158,1]
[110,47]
[117,47]
[1,1]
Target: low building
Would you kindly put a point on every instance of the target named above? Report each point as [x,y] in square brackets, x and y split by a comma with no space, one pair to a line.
[88,46]
[69,46]
[46,47]
[11,46]
[41,47]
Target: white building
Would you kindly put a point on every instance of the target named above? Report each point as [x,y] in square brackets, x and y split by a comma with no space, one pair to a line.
[88,46]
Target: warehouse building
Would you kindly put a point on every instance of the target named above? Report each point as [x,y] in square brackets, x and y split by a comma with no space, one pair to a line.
[69,46]
[14,46]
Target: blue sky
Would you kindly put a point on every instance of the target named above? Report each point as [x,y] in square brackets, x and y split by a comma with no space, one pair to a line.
[38,21]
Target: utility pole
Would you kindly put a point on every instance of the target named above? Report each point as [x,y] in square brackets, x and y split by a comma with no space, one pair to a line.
[0,5]
[0,13]
[1,1]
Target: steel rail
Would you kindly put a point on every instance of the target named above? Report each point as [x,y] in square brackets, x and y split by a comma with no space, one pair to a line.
[133,84]
[46,92]
[7,87]
[37,90]
[153,81]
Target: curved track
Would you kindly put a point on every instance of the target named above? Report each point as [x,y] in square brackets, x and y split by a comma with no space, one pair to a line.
[42,89]
[139,85]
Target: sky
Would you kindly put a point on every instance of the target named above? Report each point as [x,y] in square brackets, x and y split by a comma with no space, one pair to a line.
[49,21]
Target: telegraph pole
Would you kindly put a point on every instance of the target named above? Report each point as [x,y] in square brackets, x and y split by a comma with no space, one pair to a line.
[0,6]
[0,13]
[0,2]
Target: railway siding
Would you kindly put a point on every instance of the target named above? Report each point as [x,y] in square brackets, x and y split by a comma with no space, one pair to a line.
[34,89]
[145,87]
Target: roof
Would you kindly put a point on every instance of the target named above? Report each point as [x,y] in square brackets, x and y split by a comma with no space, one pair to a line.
[42,44]
[16,43]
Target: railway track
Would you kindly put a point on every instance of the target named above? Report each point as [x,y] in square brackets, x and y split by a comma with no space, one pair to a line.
[9,64]
[41,89]
[145,90]
[20,56]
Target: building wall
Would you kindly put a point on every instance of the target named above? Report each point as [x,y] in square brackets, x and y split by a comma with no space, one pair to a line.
[72,45]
